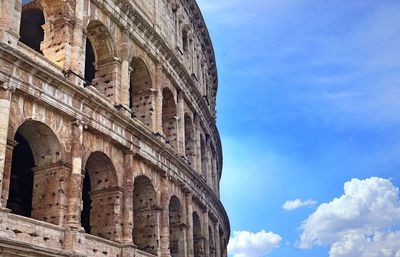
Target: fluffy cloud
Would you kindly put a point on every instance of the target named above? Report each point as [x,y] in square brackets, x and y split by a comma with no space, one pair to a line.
[295,204]
[359,222]
[247,244]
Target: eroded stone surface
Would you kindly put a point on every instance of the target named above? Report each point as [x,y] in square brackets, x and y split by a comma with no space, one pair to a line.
[108,144]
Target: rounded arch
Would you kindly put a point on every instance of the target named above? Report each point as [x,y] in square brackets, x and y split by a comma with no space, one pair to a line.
[176,239]
[189,139]
[100,37]
[198,240]
[36,148]
[169,117]
[100,195]
[43,141]
[101,168]
[145,223]
[32,20]
[100,65]
[141,98]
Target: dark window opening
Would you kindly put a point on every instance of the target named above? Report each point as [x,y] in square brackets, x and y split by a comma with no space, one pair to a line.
[184,40]
[21,182]
[90,69]
[31,31]
[85,214]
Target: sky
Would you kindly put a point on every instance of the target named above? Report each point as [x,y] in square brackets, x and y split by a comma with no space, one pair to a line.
[309,115]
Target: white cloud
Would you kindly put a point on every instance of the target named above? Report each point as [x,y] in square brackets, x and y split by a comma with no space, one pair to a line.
[376,244]
[298,203]
[248,244]
[358,223]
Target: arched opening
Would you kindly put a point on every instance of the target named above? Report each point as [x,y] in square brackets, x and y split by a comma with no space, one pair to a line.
[176,240]
[34,187]
[185,39]
[198,239]
[85,214]
[141,97]
[100,64]
[32,19]
[21,183]
[189,140]
[169,117]
[145,224]
[211,245]
[90,60]
[101,198]
[203,157]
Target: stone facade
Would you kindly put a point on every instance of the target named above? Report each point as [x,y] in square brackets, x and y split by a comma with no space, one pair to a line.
[108,142]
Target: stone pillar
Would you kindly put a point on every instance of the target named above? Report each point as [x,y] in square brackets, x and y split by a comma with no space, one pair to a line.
[7,172]
[217,240]
[72,232]
[206,234]
[189,224]
[125,81]
[181,124]
[197,134]
[6,91]
[159,100]
[184,227]
[127,220]
[9,22]
[164,224]
[76,61]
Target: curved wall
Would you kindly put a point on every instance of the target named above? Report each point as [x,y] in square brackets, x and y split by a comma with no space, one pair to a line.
[119,101]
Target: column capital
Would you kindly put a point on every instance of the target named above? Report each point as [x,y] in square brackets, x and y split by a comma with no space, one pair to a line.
[7,86]
[79,122]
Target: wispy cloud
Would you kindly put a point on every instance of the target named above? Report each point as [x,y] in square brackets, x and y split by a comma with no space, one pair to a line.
[248,244]
[358,223]
[298,203]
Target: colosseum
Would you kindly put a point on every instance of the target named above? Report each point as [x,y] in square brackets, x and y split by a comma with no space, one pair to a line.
[108,139]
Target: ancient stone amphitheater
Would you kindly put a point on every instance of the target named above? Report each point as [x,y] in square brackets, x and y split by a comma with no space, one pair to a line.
[108,142]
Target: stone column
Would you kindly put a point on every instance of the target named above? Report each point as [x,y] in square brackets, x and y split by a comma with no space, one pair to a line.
[159,100]
[181,124]
[127,220]
[77,62]
[217,240]
[164,224]
[189,224]
[197,144]
[6,90]
[72,233]
[9,22]
[125,70]
[206,234]
[7,171]
[184,226]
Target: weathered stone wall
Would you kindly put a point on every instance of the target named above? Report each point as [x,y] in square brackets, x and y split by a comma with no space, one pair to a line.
[121,163]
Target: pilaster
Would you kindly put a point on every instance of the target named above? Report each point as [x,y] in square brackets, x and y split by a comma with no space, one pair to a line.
[206,233]
[164,224]
[217,240]
[6,90]
[9,28]
[181,124]
[189,224]
[74,231]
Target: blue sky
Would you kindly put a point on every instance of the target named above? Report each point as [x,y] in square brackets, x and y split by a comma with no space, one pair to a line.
[308,99]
